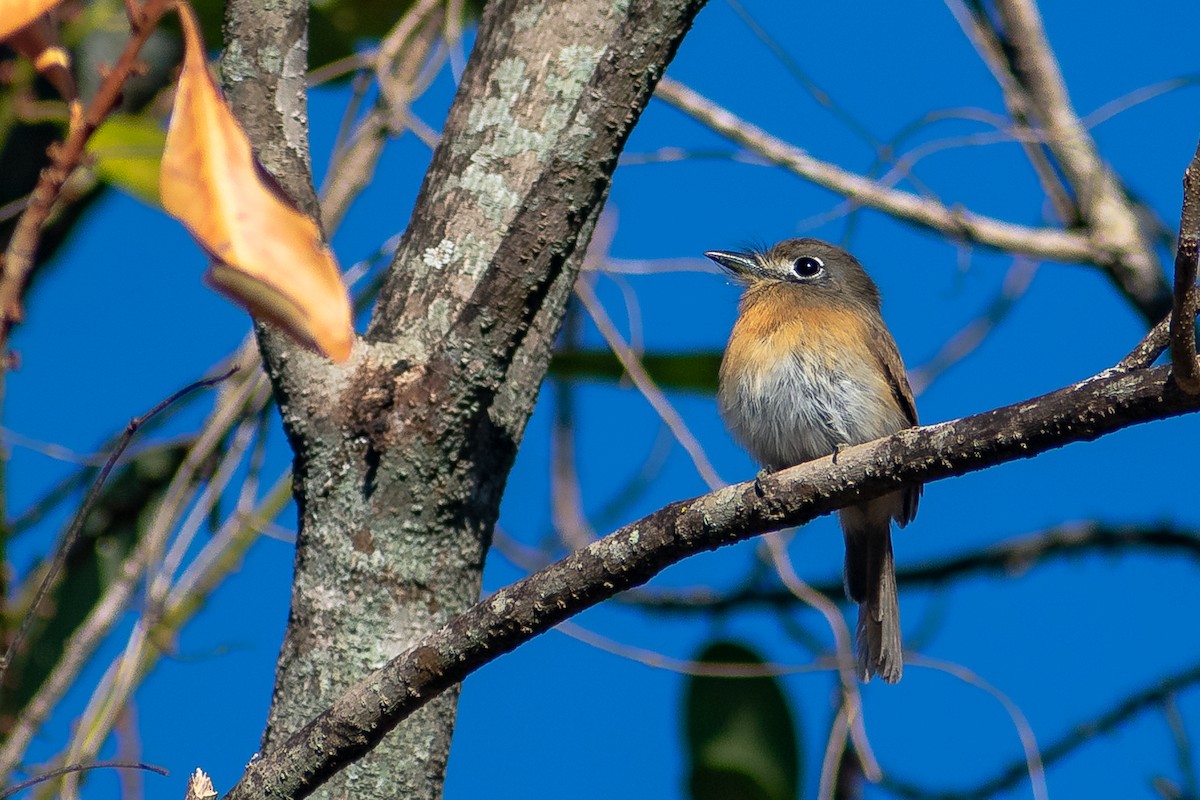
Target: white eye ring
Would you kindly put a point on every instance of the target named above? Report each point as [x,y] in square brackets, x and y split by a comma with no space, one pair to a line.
[807,267]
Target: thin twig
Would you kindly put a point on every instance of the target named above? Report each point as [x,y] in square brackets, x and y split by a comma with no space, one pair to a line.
[645,384]
[1014,556]
[73,530]
[231,460]
[985,41]
[851,696]
[342,66]
[1183,746]
[1147,351]
[835,748]
[71,768]
[1136,97]
[401,68]
[656,660]
[973,334]
[1080,734]
[114,689]
[1104,208]
[119,593]
[1033,759]
[566,491]
[223,553]
[819,95]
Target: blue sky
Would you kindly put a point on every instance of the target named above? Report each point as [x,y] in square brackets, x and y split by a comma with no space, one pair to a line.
[123,320]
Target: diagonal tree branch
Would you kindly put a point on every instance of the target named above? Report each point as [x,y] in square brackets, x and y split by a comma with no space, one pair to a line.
[955,223]
[362,715]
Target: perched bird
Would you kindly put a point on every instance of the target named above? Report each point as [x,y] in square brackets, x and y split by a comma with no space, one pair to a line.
[811,367]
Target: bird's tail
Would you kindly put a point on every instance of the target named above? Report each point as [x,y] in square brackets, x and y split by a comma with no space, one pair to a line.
[870,576]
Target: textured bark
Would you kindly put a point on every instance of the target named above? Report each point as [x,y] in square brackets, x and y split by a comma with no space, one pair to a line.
[402,454]
[361,716]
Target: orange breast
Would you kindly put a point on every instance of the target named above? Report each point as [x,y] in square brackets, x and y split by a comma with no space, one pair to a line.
[799,378]
[775,323]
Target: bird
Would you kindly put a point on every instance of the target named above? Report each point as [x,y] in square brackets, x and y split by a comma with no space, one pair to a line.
[810,368]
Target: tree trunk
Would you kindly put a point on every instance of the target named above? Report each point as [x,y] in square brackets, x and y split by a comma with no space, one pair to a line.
[402,453]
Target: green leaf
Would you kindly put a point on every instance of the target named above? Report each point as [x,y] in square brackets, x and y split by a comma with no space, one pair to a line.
[742,739]
[689,371]
[128,149]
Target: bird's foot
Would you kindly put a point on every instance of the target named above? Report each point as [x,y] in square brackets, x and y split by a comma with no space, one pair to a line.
[758,479]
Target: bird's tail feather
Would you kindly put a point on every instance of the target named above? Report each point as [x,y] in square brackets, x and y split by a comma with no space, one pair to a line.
[880,650]
[870,577]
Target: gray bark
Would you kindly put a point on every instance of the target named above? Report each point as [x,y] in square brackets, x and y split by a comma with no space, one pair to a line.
[402,453]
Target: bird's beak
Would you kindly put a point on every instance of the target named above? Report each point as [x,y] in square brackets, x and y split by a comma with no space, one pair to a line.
[738,263]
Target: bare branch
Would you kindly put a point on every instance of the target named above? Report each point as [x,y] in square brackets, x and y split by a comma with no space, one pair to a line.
[84,640]
[645,384]
[851,696]
[1183,745]
[955,223]
[1183,326]
[963,343]
[72,532]
[1147,351]
[402,55]
[362,715]
[1105,211]
[1033,765]
[983,37]
[17,788]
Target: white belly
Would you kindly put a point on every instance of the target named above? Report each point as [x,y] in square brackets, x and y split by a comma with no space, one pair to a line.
[790,411]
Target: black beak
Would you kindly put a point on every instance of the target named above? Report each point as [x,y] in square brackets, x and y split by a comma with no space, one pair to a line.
[737,263]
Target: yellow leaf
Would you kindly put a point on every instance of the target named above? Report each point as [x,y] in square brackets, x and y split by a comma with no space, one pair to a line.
[269,257]
[16,14]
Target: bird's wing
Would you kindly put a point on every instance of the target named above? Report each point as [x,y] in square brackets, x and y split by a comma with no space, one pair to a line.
[886,353]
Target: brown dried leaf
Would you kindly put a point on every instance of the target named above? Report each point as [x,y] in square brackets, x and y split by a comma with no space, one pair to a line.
[268,256]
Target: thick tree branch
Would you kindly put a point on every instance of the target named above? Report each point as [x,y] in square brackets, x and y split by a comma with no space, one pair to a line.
[361,716]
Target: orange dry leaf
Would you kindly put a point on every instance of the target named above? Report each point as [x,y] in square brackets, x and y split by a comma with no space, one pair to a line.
[268,256]
[16,14]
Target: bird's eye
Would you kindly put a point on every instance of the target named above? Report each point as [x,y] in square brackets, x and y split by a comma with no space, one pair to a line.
[807,267]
